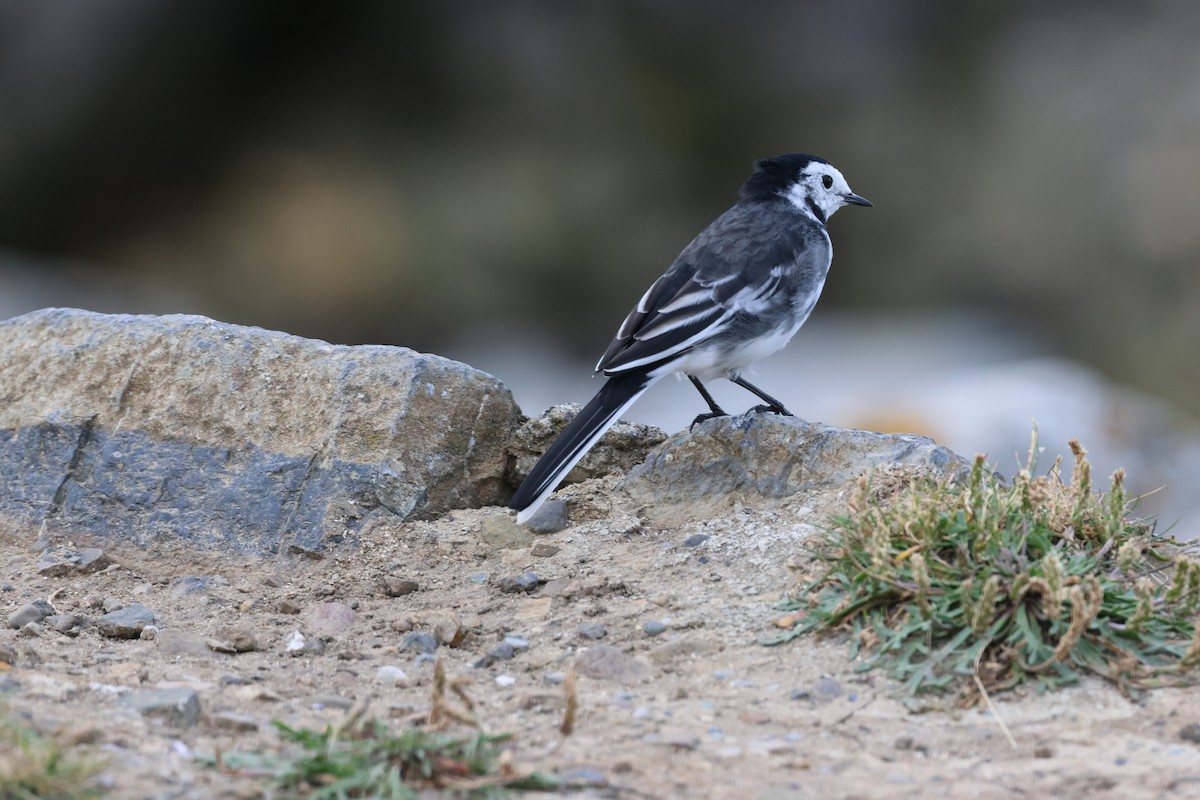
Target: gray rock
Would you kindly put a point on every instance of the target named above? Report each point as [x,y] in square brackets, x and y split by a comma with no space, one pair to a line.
[592,630]
[36,611]
[397,587]
[501,652]
[515,584]
[67,561]
[330,619]
[767,456]
[605,663]
[552,517]
[653,628]
[64,623]
[143,426]
[125,623]
[1190,732]
[517,643]
[625,445]
[417,642]
[176,707]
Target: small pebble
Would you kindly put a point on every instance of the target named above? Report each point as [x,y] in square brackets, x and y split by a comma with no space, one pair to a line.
[390,675]
[593,631]
[417,642]
[449,630]
[653,628]
[239,638]
[502,652]
[125,623]
[524,582]
[177,707]
[1190,732]
[695,540]
[398,587]
[505,680]
[287,606]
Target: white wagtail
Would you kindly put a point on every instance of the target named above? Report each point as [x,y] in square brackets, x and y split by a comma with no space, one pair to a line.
[736,294]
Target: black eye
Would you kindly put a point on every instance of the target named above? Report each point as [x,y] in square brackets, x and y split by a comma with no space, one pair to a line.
[827,181]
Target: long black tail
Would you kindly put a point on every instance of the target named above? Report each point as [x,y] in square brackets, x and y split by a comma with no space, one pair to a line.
[577,438]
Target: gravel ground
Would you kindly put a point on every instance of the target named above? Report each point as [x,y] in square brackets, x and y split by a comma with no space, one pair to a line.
[676,698]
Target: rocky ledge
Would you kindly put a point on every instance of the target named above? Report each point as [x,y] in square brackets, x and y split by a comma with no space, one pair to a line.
[257,441]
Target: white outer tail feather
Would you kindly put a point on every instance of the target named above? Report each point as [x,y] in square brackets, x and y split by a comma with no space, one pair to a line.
[524,514]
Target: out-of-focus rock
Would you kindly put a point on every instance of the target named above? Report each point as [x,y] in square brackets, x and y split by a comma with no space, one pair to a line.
[227,435]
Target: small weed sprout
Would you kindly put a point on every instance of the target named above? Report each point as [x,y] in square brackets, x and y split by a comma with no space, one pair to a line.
[944,581]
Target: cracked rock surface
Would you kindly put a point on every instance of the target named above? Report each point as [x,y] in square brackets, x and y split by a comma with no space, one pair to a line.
[236,436]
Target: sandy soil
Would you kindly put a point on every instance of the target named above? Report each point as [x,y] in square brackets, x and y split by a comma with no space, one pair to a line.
[715,715]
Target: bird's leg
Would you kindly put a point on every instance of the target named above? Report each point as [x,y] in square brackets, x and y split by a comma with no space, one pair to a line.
[773,406]
[714,409]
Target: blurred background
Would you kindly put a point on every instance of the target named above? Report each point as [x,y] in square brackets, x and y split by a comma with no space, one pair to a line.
[499,182]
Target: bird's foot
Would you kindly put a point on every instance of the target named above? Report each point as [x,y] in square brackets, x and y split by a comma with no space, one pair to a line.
[705,417]
[767,409]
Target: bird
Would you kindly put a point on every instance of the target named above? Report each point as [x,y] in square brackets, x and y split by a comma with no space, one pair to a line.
[736,294]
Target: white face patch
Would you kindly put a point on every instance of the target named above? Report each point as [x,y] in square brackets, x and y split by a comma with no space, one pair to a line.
[810,187]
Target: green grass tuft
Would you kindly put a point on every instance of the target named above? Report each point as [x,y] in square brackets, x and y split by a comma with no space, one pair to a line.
[36,767]
[1035,581]
[370,762]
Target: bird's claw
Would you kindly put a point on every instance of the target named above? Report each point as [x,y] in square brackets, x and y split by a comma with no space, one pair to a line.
[765,409]
[706,417]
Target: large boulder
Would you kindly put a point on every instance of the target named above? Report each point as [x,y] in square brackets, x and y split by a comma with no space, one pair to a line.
[235,436]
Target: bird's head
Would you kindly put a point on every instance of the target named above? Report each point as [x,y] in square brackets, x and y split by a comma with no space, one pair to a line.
[811,184]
